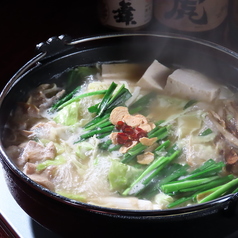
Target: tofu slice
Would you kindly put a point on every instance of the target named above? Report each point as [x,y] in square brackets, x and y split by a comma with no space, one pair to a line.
[190,84]
[122,71]
[155,76]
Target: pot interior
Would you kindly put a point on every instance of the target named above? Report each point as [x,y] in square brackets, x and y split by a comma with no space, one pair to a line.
[172,51]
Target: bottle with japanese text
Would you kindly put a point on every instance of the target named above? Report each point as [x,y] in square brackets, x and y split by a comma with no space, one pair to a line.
[199,18]
[125,14]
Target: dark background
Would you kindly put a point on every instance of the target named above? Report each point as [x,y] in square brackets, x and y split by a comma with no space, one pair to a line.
[23,24]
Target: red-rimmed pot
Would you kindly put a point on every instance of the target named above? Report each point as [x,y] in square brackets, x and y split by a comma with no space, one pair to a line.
[69,218]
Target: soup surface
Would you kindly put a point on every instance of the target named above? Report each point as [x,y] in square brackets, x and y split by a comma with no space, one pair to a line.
[129,136]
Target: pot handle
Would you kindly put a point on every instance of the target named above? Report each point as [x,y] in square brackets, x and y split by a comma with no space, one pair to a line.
[55,47]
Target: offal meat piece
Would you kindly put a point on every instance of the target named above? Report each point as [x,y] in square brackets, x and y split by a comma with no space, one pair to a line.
[40,177]
[45,95]
[25,116]
[46,130]
[221,127]
[29,110]
[34,152]
[231,117]
[232,157]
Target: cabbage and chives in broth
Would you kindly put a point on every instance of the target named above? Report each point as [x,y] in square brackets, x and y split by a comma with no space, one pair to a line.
[129,137]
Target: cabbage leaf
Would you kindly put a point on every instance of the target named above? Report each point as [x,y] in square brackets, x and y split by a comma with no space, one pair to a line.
[83,150]
[121,176]
[72,196]
[57,161]
[69,115]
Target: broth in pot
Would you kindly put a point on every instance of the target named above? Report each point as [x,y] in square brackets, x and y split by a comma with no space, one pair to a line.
[132,136]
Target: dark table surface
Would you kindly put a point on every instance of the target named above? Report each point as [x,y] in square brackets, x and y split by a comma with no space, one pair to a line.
[24,24]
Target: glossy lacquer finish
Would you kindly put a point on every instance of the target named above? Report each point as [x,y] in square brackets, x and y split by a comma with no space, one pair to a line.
[68,217]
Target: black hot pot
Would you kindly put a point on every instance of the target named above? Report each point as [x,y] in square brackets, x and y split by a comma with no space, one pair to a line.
[70,218]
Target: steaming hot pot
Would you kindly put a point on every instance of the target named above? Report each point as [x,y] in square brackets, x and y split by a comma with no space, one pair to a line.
[69,218]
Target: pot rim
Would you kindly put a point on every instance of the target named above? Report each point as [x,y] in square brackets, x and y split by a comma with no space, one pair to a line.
[199,41]
[29,66]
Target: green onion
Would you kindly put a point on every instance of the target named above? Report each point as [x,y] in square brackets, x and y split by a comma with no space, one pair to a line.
[189,104]
[179,201]
[120,97]
[179,171]
[209,171]
[221,191]
[206,132]
[160,133]
[114,148]
[105,145]
[205,165]
[143,101]
[169,174]
[107,97]
[159,163]
[76,99]
[95,132]
[66,98]
[93,109]
[176,186]
[212,184]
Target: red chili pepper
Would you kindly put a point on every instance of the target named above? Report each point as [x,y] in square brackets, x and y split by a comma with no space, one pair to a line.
[128,129]
[133,136]
[128,143]
[119,125]
[141,134]
[128,134]
[138,129]
[122,138]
